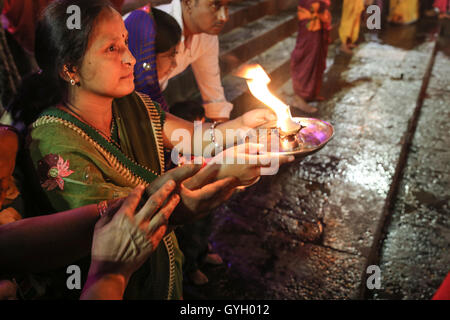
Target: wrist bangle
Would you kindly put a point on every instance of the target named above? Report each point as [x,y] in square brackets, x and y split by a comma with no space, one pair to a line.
[102,207]
[213,134]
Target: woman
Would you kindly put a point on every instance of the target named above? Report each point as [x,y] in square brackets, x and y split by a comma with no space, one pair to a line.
[153,38]
[443,8]
[308,61]
[350,24]
[96,139]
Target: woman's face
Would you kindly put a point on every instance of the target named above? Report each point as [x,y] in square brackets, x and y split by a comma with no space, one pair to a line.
[166,62]
[107,67]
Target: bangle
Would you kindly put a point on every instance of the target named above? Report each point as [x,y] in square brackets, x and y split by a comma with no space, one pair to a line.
[213,134]
[102,207]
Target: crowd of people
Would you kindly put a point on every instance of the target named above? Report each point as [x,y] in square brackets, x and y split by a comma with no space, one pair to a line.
[85,178]
[308,60]
[93,144]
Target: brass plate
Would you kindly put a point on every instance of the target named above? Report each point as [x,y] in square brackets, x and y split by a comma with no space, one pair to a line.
[312,137]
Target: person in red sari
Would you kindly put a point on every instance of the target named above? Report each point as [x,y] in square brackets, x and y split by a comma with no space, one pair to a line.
[443,6]
[308,60]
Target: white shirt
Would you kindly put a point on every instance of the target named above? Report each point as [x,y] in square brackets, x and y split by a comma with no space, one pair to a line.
[201,51]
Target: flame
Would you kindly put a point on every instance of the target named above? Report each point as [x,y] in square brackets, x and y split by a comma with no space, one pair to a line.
[257,81]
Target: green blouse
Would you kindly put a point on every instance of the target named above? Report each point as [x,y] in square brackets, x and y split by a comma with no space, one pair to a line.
[77,166]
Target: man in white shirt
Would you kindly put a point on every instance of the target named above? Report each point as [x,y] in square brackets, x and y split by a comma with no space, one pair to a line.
[201,21]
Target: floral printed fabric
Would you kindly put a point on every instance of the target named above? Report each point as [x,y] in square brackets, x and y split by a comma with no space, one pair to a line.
[51,170]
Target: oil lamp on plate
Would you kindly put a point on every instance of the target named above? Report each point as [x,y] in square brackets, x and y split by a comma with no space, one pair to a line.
[297,136]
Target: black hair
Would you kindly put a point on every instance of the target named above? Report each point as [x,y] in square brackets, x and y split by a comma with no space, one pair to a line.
[168,31]
[188,110]
[56,45]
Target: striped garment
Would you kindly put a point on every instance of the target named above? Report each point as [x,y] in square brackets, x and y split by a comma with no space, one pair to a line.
[141,42]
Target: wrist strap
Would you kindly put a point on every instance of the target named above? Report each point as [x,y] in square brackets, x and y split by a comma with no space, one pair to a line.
[213,134]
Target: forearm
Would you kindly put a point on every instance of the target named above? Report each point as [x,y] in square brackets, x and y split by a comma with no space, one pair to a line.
[104,287]
[46,242]
[207,75]
[231,132]
[195,140]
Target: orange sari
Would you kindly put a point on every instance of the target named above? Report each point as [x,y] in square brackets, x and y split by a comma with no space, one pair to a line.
[351,20]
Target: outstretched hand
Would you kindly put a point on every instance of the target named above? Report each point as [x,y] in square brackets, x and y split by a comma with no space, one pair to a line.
[199,195]
[257,117]
[125,239]
[129,237]
[245,161]
[178,175]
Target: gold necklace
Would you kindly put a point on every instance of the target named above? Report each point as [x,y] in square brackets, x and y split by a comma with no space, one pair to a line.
[71,108]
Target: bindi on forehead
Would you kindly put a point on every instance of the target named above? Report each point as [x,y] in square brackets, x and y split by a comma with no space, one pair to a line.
[117,37]
[109,26]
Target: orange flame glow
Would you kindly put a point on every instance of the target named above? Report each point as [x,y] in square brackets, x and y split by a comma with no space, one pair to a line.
[257,81]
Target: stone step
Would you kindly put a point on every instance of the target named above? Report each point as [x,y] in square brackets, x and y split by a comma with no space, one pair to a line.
[246,11]
[254,38]
[275,62]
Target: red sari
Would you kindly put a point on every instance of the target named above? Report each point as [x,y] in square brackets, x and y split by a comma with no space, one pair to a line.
[308,60]
[442,5]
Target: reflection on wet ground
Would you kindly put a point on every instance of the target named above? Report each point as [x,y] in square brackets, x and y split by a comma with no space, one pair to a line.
[415,255]
[307,233]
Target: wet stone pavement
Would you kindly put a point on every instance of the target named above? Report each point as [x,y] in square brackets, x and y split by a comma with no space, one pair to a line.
[415,256]
[309,231]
